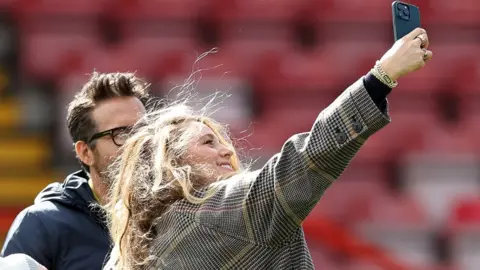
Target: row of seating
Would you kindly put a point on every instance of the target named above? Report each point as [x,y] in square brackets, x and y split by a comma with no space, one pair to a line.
[235,10]
[278,61]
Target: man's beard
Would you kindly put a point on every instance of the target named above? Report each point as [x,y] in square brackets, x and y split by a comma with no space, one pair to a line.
[102,170]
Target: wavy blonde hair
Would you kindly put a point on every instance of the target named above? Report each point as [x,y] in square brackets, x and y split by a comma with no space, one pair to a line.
[148,178]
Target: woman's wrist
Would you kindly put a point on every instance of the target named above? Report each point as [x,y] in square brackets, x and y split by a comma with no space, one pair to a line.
[389,69]
[381,74]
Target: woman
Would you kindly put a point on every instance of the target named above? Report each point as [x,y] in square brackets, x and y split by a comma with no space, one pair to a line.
[181,199]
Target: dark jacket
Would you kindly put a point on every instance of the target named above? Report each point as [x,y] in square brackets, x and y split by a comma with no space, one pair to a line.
[63,229]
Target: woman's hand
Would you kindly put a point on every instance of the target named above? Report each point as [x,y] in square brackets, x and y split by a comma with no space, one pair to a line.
[407,55]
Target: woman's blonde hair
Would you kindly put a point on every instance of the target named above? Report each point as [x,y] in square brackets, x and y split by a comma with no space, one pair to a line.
[148,178]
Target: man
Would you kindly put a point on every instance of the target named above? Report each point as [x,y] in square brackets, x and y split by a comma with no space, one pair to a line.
[63,229]
[19,262]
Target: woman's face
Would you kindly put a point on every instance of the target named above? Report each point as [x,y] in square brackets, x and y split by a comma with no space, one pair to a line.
[206,154]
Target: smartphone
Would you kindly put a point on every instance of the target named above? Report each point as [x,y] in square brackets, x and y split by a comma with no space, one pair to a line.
[406,18]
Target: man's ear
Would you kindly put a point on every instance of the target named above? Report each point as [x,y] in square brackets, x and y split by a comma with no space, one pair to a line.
[84,153]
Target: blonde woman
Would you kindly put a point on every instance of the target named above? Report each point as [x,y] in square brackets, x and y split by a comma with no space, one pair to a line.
[181,199]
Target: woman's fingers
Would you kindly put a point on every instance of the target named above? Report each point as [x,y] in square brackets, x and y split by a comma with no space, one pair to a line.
[421,41]
[415,33]
[427,55]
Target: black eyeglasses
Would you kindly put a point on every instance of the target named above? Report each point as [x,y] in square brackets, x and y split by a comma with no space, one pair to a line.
[118,135]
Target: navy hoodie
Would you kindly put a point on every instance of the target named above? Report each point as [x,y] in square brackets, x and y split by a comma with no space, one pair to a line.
[62,229]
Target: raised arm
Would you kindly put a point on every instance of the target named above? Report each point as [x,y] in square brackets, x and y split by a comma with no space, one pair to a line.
[269,205]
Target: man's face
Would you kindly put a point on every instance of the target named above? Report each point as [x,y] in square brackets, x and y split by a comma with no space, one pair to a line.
[107,115]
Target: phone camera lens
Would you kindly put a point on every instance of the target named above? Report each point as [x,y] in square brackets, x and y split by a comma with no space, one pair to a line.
[403,11]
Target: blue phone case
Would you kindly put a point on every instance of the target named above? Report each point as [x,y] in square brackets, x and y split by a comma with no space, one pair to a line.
[406,18]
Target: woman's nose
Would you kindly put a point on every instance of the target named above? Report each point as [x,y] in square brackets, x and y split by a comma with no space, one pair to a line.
[225,152]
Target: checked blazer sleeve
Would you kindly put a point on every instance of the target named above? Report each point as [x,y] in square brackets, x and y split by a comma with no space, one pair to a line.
[269,205]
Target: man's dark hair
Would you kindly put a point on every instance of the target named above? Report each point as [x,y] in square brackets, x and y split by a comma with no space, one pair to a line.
[100,87]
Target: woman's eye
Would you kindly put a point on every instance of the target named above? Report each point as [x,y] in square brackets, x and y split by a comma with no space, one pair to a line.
[209,142]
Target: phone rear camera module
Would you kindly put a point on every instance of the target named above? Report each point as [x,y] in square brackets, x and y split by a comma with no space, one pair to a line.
[403,12]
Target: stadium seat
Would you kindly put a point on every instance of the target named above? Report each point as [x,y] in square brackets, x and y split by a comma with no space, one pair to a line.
[467,74]
[436,180]
[216,62]
[412,245]
[443,138]
[470,128]
[157,10]
[396,210]
[423,83]
[463,12]
[113,59]
[402,136]
[53,9]
[257,11]
[449,65]
[7,4]
[463,228]
[156,54]
[362,183]
[465,212]
[322,258]
[316,70]
[251,50]
[337,11]
[198,63]
[42,53]
[465,247]
[268,124]
[361,55]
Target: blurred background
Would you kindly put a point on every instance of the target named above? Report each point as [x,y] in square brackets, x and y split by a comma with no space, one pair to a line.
[410,197]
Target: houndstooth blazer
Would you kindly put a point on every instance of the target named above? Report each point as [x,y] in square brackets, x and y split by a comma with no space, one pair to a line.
[253,220]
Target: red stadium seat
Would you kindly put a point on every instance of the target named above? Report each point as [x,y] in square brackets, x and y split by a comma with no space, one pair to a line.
[466,212]
[464,234]
[404,135]
[361,55]
[201,61]
[349,198]
[215,62]
[467,73]
[293,121]
[48,9]
[449,65]
[330,11]
[253,10]
[159,55]
[462,12]
[397,209]
[156,10]
[251,50]
[43,53]
[322,258]
[470,128]
[438,179]
[113,59]
[7,3]
[315,70]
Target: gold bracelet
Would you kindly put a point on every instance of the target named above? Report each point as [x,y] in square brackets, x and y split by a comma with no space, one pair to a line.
[382,76]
